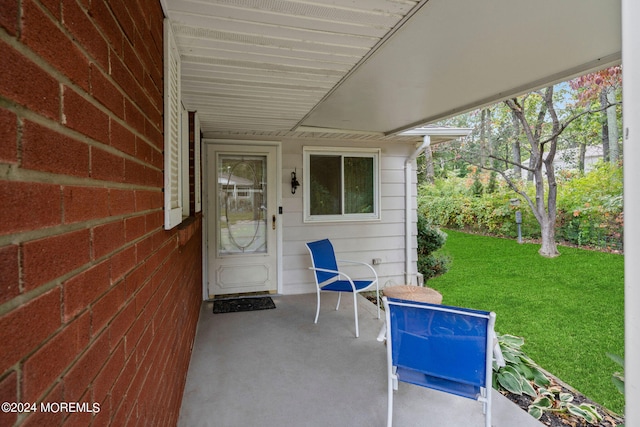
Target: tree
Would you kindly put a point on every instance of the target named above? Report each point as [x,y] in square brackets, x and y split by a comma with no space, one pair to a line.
[544,209]
[543,138]
[602,87]
[583,132]
[539,123]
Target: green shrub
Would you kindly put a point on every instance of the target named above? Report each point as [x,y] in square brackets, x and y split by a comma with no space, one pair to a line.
[589,207]
[477,188]
[430,239]
[492,186]
[450,203]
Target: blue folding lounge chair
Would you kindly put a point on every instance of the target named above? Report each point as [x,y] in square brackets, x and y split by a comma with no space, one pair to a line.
[445,348]
[330,278]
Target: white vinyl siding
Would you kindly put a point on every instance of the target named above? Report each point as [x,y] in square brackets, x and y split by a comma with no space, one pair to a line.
[355,240]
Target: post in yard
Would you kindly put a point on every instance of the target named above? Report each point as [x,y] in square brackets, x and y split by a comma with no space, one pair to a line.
[516,203]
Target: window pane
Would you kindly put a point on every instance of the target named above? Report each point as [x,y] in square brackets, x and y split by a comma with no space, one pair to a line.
[242,196]
[358,185]
[325,183]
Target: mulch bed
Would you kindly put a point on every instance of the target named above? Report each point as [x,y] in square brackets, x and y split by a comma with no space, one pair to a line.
[609,419]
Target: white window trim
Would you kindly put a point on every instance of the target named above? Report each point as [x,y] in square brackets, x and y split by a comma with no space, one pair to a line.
[197,145]
[184,173]
[186,158]
[375,153]
[173,170]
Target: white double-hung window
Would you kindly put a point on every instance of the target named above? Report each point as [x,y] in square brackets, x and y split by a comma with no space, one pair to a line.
[341,184]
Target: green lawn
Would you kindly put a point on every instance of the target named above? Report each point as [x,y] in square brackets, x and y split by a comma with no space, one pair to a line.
[569,309]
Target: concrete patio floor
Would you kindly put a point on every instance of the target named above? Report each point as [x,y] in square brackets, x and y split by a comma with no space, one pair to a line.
[275,368]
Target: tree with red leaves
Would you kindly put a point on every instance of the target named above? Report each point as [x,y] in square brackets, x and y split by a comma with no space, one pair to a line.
[600,87]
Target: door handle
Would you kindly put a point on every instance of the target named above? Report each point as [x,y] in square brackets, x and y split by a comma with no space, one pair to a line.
[273,222]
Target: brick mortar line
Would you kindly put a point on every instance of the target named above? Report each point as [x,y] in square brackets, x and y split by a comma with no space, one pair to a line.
[60,229]
[66,81]
[15,173]
[22,113]
[147,360]
[85,53]
[32,294]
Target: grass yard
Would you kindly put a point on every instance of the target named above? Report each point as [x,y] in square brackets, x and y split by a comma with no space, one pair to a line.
[569,309]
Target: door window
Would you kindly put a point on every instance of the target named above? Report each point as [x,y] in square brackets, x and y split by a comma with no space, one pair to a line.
[242,198]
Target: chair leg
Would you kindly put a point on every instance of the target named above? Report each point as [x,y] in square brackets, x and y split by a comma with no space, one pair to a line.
[338,304]
[487,414]
[394,378]
[317,306]
[390,389]
[355,312]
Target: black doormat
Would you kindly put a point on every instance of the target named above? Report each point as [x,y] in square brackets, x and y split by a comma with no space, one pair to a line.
[242,304]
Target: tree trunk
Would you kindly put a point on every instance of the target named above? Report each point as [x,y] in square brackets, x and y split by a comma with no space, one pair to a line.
[545,215]
[516,155]
[483,138]
[548,225]
[612,125]
[532,164]
[582,152]
[605,126]
[548,247]
[429,173]
[490,147]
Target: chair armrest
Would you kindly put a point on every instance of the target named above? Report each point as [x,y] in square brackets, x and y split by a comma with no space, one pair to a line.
[373,271]
[353,262]
[325,270]
[497,351]
[339,273]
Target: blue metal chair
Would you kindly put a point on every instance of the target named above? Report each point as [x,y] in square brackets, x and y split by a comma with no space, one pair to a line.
[445,348]
[329,278]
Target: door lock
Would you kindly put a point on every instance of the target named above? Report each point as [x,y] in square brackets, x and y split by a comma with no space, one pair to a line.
[273,222]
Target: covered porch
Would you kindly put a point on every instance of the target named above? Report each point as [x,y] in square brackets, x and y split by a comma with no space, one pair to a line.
[277,368]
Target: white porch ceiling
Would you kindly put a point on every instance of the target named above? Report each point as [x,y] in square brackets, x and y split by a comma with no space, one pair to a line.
[372,67]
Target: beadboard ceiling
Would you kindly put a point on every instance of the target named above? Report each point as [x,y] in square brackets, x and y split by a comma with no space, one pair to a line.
[376,67]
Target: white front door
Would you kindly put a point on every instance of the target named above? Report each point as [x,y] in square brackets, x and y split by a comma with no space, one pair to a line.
[242,219]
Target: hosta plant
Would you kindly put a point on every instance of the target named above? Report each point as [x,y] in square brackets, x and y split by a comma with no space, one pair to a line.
[520,373]
[552,399]
[618,377]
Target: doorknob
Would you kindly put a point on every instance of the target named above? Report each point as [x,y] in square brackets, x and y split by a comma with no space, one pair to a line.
[273,222]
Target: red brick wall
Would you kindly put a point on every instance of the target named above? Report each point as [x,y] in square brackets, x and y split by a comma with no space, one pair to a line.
[98,304]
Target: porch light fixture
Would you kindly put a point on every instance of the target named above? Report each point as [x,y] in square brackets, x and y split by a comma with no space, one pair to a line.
[294,182]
